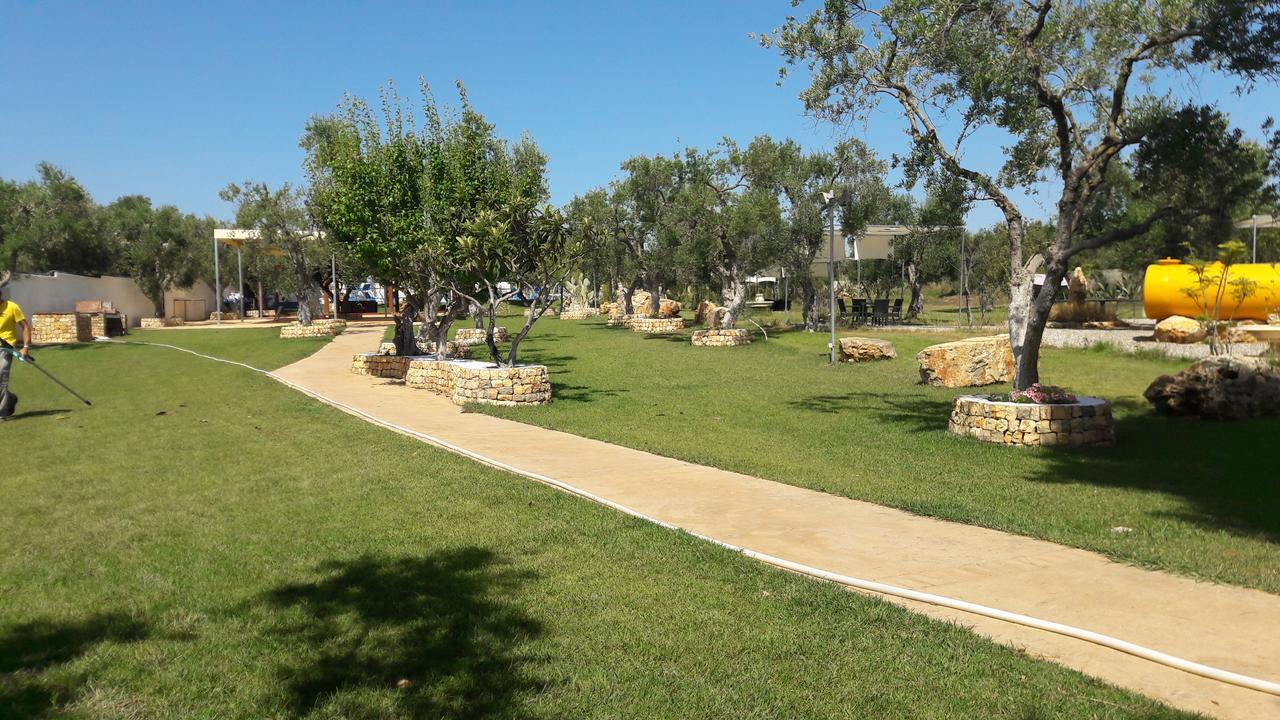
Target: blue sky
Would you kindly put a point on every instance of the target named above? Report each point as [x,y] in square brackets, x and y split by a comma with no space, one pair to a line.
[175,100]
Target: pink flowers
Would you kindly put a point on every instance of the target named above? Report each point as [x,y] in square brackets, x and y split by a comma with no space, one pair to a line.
[1043,395]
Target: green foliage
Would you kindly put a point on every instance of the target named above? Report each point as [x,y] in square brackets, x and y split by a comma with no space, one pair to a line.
[1069,84]
[280,218]
[52,224]
[160,248]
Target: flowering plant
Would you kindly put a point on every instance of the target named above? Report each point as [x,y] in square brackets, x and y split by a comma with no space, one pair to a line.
[1043,395]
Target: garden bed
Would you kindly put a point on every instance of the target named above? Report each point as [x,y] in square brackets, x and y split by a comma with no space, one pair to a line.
[732,337]
[655,326]
[318,328]
[475,336]
[472,381]
[380,365]
[1084,423]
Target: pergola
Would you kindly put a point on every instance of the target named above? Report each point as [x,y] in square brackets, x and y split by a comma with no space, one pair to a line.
[1255,222]
[236,238]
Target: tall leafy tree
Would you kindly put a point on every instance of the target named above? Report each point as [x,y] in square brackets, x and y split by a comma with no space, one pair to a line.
[642,223]
[52,223]
[160,248]
[281,220]
[730,203]
[1065,82]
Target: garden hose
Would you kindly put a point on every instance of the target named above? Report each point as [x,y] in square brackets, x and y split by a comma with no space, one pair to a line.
[1139,651]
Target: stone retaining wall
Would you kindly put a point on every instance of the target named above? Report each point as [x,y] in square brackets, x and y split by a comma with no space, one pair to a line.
[52,328]
[579,313]
[224,316]
[318,328]
[655,326]
[379,365]
[1086,423]
[467,381]
[722,338]
[152,323]
[475,336]
[616,320]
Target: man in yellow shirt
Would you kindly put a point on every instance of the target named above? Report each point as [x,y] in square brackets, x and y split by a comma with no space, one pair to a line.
[11,321]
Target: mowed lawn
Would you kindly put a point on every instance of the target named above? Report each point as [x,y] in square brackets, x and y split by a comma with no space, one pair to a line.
[205,543]
[1201,498]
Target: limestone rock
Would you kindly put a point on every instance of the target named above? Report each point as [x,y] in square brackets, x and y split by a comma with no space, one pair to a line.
[1179,329]
[862,349]
[1077,287]
[668,308]
[715,318]
[704,307]
[967,363]
[1219,388]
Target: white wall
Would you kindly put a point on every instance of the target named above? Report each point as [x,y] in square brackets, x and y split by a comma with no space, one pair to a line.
[59,292]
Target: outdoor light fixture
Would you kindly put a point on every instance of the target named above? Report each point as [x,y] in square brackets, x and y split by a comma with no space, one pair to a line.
[831,199]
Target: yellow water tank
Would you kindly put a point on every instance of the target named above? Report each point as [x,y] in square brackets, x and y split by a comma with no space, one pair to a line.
[1168,282]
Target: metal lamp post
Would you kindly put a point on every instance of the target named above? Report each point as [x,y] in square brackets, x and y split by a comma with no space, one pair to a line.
[832,199]
[217,283]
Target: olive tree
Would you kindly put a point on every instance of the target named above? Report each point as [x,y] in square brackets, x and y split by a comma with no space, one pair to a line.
[1069,83]
[730,202]
[280,217]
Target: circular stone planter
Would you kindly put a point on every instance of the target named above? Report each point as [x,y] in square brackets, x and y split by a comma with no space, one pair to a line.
[1085,423]
[656,326]
[319,328]
[380,365]
[471,381]
[732,337]
[475,336]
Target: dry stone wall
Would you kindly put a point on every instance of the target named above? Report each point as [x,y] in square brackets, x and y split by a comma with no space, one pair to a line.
[722,338]
[1087,423]
[655,326]
[318,328]
[152,323]
[52,328]
[579,313]
[468,381]
[379,365]
[475,336]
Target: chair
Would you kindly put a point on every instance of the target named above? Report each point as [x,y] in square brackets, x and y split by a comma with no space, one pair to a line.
[895,315]
[860,310]
[880,312]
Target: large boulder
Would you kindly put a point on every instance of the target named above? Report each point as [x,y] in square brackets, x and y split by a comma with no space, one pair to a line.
[967,363]
[862,349]
[668,308]
[704,307]
[1077,287]
[1179,329]
[1219,388]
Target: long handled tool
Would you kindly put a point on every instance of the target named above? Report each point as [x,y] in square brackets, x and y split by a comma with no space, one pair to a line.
[32,362]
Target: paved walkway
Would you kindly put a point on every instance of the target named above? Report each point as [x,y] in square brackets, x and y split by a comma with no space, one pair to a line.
[1231,628]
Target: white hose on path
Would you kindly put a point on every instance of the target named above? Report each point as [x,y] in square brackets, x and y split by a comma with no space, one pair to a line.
[1123,646]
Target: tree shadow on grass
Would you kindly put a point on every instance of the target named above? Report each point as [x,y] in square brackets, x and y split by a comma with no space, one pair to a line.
[32,653]
[561,392]
[432,637]
[678,338]
[1224,471]
[913,414]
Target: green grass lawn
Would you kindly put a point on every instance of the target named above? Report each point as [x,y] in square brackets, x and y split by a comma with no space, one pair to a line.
[205,543]
[1202,498]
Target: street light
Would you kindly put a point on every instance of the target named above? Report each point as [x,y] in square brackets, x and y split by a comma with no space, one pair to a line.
[830,200]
